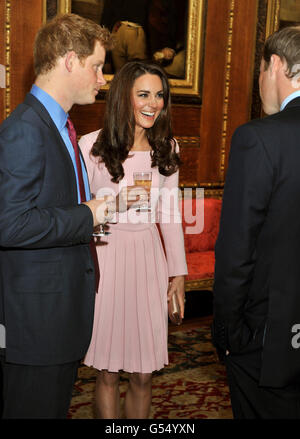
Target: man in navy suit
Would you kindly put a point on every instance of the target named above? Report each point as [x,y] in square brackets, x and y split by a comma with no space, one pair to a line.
[47,272]
[257,277]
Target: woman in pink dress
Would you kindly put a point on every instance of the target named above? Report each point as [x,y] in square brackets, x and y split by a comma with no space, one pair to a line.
[138,274]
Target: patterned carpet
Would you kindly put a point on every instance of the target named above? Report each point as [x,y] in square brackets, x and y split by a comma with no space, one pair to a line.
[192,386]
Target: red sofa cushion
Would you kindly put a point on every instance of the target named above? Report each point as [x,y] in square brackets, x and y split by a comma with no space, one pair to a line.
[205,240]
[201,265]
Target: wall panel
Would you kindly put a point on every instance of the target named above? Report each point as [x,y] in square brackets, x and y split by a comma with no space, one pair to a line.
[20,20]
[211,126]
[26,19]
[242,69]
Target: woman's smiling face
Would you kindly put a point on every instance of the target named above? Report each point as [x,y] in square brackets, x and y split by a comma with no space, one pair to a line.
[147,100]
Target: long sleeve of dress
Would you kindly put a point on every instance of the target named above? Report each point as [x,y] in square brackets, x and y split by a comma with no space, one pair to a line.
[85,143]
[170,224]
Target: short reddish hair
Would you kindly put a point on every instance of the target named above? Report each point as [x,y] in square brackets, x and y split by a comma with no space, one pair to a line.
[65,33]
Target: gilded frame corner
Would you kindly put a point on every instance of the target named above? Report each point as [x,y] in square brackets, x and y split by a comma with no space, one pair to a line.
[273,12]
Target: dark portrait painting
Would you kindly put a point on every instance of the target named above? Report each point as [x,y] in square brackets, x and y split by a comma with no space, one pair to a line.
[166,31]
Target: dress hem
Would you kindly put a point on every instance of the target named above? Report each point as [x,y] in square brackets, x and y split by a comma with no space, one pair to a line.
[126,370]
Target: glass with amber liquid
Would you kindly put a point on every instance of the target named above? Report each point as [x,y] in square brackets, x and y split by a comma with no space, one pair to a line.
[99,230]
[143,179]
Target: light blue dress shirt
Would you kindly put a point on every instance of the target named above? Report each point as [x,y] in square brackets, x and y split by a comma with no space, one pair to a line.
[289,98]
[59,117]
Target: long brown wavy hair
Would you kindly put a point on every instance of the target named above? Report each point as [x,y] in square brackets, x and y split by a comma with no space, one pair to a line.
[117,136]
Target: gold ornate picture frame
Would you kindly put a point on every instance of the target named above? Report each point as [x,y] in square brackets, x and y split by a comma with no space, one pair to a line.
[281,13]
[273,10]
[190,85]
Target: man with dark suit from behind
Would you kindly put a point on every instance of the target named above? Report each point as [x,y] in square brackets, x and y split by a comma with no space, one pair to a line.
[257,278]
[46,268]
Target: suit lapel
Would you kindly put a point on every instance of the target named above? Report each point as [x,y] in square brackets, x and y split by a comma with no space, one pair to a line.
[39,108]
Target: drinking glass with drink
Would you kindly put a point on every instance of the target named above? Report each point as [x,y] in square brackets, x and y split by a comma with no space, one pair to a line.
[143,179]
[99,230]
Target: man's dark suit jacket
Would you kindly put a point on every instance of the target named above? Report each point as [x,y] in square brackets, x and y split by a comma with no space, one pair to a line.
[257,272]
[46,270]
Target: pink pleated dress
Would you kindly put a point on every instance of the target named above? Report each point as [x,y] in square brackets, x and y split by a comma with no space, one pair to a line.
[131,320]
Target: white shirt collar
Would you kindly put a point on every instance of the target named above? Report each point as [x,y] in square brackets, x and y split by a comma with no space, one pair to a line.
[289,98]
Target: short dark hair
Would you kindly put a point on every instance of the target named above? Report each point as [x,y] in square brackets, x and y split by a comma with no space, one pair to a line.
[65,33]
[286,44]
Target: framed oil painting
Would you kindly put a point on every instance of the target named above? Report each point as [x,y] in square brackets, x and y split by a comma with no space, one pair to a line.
[184,19]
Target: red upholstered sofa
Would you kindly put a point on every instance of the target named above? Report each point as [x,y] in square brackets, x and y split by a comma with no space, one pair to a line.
[199,246]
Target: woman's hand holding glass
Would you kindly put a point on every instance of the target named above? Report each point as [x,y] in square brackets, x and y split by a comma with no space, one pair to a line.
[144,179]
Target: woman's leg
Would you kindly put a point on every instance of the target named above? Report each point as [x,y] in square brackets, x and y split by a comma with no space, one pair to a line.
[108,395]
[138,396]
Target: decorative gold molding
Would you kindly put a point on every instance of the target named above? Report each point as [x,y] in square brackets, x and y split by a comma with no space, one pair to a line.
[201,284]
[213,193]
[226,90]
[188,141]
[211,190]
[7,105]
[64,6]
[44,12]
[272,17]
